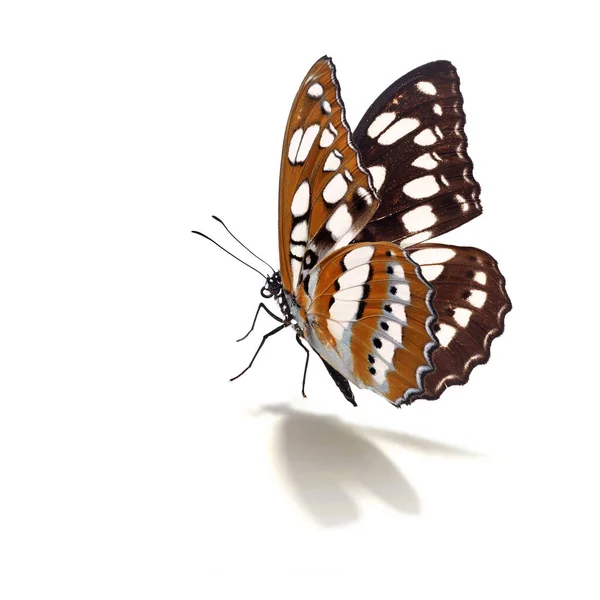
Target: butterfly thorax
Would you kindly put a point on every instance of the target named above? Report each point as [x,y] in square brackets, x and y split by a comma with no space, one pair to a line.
[273,288]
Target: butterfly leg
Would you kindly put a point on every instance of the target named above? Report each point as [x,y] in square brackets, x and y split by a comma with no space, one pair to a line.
[276,330]
[299,340]
[261,305]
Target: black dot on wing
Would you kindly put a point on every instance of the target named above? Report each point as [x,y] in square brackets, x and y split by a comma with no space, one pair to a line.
[360,203]
[371,358]
[393,290]
[387,308]
[309,258]
[436,327]
[466,294]
[389,253]
[390,270]
[384,326]
[377,342]
[470,274]
[372,371]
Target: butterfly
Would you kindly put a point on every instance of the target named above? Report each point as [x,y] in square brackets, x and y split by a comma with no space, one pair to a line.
[359,281]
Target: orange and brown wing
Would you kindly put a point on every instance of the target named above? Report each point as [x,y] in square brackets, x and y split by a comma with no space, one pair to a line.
[367,311]
[325,196]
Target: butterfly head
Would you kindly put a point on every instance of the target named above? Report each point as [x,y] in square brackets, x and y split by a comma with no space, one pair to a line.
[273,286]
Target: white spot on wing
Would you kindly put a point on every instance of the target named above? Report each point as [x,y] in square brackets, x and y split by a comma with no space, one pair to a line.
[378,175]
[387,350]
[360,256]
[326,107]
[398,130]
[295,144]
[399,311]
[326,138]
[381,370]
[433,256]
[336,329]
[462,316]
[339,222]
[347,237]
[307,141]
[415,239]
[315,90]
[398,271]
[477,298]
[394,330]
[336,188]
[352,294]
[437,109]
[419,218]
[297,251]
[402,291]
[425,161]
[445,334]
[422,187]
[301,199]
[296,265]
[380,123]
[480,277]
[356,276]
[300,232]
[425,138]
[332,163]
[343,311]
[427,88]
[432,272]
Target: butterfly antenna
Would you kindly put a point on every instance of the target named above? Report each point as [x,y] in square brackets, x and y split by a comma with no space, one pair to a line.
[243,245]
[230,254]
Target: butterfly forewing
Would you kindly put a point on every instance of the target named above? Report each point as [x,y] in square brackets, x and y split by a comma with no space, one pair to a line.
[368,313]
[471,303]
[325,197]
[412,140]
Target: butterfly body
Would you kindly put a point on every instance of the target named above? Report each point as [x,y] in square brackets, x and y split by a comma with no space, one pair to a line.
[383,309]
[273,288]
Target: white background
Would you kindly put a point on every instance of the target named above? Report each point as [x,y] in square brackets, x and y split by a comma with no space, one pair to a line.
[129,466]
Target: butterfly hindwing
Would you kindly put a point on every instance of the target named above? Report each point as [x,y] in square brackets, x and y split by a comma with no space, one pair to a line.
[367,311]
[471,303]
[325,196]
[412,140]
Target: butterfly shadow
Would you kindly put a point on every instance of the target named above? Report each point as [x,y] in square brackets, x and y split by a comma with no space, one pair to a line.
[327,462]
